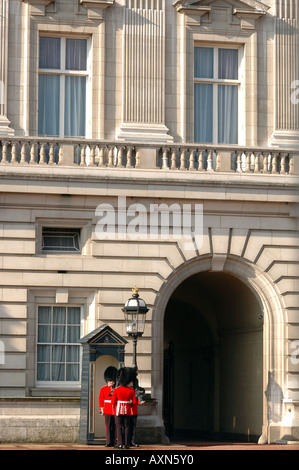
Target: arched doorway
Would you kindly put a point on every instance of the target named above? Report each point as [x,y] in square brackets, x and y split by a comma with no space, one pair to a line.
[213,359]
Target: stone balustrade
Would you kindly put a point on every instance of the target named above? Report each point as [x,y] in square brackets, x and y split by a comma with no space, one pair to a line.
[179,157]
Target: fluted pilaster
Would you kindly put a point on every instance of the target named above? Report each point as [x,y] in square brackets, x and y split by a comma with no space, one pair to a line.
[143,106]
[4,122]
[286,73]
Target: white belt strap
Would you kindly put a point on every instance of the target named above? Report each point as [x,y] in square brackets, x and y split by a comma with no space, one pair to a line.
[121,407]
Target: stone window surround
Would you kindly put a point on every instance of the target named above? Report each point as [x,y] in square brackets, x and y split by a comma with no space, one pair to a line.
[60,296]
[95,33]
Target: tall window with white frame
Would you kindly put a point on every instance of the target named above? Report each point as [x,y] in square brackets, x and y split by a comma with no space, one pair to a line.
[216,95]
[58,350]
[62,86]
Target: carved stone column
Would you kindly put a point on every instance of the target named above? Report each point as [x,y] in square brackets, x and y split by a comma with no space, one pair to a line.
[4,122]
[143,70]
[286,131]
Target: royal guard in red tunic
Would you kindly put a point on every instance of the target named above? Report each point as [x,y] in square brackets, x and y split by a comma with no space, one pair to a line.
[122,399]
[105,404]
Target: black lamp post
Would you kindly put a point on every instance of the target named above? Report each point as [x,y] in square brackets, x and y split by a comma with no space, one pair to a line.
[135,310]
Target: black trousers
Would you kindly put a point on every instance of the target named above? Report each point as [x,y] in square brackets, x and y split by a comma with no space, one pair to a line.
[110,429]
[122,424]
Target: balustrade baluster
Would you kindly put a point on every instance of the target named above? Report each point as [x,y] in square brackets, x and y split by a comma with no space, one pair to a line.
[42,160]
[239,162]
[120,158]
[23,152]
[129,157]
[110,156]
[14,156]
[165,165]
[210,161]
[52,155]
[200,161]
[183,160]
[173,159]
[92,155]
[192,160]
[33,148]
[4,152]
[101,155]
[247,161]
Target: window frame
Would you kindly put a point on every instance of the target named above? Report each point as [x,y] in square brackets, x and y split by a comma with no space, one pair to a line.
[54,383]
[63,73]
[75,230]
[216,82]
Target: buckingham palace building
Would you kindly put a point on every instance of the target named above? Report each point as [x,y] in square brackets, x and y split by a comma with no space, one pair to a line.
[150,143]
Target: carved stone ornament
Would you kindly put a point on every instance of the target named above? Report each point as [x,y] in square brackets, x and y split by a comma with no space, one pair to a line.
[247,10]
[95,7]
[38,7]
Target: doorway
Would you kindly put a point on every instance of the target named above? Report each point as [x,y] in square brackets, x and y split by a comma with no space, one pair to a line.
[213,360]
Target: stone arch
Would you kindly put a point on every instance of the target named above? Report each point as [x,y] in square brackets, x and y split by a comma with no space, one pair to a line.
[271,304]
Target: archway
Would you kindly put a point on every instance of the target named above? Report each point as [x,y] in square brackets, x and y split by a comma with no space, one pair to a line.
[213,359]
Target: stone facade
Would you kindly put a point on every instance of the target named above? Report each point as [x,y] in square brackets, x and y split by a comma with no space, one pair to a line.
[224,313]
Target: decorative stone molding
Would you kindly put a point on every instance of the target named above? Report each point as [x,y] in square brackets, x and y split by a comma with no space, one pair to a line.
[38,7]
[95,7]
[248,12]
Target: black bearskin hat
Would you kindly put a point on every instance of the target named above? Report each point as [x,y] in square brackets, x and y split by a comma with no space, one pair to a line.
[126,375]
[110,374]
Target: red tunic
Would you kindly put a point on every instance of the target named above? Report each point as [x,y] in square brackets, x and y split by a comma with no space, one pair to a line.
[122,400]
[105,400]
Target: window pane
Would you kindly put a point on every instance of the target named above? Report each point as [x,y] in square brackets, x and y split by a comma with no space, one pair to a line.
[58,353]
[228,64]
[43,353]
[76,54]
[43,372]
[48,105]
[44,334]
[49,53]
[227,114]
[58,372]
[73,316]
[203,62]
[72,372]
[59,315]
[73,334]
[72,353]
[75,102]
[44,315]
[58,334]
[203,113]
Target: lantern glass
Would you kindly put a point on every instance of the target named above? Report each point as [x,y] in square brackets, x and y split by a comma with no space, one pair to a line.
[135,323]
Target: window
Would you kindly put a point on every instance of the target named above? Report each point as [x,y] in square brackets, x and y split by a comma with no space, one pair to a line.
[62,86]
[60,240]
[216,89]
[58,351]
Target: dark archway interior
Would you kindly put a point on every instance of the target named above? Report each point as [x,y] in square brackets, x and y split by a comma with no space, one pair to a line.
[213,359]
